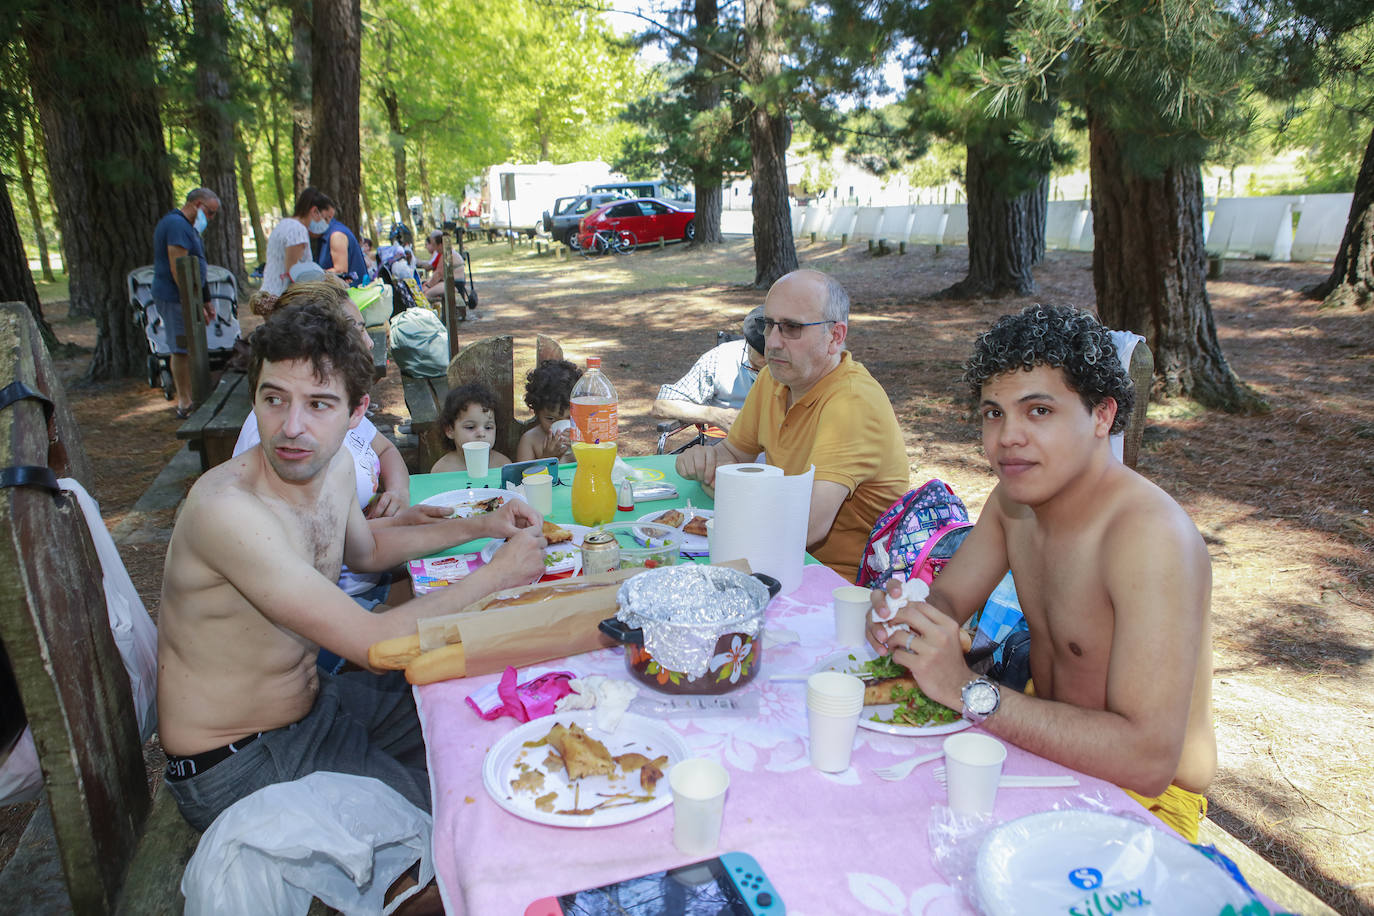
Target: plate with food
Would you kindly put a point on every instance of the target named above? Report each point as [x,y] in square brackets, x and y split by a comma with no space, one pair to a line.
[467,503]
[564,771]
[563,555]
[691,521]
[895,705]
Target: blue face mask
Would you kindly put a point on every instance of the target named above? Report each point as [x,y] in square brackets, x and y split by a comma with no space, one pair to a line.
[317,227]
[201,221]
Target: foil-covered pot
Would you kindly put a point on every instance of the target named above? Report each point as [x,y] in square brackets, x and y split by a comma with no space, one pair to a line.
[691,628]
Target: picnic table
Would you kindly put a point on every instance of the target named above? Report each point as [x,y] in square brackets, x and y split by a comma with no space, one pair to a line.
[842,843]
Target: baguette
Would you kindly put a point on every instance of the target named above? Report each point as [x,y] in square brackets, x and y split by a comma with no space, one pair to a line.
[393,654]
[437,665]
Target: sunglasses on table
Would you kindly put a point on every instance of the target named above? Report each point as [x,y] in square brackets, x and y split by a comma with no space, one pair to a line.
[790,330]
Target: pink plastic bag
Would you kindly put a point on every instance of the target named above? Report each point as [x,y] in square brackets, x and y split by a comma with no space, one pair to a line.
[530,700]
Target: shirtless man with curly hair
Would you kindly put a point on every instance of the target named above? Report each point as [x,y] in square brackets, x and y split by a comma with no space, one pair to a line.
[1112,575]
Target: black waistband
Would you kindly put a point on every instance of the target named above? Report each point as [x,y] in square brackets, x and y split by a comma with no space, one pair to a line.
[179,768]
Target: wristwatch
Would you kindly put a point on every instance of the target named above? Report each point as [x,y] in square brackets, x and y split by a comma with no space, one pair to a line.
[981,698]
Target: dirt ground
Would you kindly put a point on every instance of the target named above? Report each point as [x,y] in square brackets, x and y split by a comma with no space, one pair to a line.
[1282,499]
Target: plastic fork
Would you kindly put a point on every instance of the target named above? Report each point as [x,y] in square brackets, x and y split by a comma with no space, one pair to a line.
[1021,782]
[899,771]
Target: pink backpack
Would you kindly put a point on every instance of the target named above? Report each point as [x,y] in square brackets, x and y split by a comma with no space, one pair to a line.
[916,536]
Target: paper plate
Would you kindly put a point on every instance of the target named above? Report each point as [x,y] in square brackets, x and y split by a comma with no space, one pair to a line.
[911,731]
[693,545]
[636,734]
[463,501]
[560,560]
[1060,862]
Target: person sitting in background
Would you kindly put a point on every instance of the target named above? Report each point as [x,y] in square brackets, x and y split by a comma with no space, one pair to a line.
[340,253]
[548,388]
[289,245]
[1114,578]
[469,415]
[434,281]
[369,255]
[713,390]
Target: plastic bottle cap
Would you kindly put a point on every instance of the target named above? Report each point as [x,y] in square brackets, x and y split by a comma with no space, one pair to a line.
[593,362]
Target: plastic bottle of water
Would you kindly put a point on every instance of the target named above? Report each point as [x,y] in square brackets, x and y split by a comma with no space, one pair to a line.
[593,406]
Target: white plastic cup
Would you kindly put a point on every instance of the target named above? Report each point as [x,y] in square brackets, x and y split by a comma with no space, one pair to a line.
[852,604]
[973,767]
[539,492]
[698,788]
[834,702]
[710,537]
[476,455]
[557,426]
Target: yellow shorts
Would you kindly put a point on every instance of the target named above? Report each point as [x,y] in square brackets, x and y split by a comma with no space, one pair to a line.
[1179,808]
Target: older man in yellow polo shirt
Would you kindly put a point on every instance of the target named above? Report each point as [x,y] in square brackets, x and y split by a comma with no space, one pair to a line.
[814,404]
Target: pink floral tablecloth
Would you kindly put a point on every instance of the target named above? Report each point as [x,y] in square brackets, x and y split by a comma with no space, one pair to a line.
[846,843]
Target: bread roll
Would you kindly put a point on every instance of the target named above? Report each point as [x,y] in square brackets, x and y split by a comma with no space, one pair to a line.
[437,665]
[393,654]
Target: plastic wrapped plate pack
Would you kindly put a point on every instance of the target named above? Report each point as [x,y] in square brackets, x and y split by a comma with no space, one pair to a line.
[683,610]
[1085,862]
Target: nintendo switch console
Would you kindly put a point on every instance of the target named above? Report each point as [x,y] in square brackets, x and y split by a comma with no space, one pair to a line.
[733,883]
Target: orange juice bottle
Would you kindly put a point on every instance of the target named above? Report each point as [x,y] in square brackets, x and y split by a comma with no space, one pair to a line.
[593,493]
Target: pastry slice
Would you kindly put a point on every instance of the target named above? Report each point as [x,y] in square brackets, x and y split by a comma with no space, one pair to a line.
[555,533]
[697,526]
[582,754]
[672,518]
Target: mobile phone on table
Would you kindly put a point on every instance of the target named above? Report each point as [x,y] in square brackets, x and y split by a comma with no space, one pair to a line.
[514,472]
[732,884]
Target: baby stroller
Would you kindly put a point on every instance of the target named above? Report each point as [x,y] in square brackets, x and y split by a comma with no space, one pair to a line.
[219,334]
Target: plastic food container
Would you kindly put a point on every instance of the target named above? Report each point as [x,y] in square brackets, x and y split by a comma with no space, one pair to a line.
[647,544]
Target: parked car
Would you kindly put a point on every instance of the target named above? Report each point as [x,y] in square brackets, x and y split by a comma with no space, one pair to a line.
[661,190]
[647,218]
[561,224]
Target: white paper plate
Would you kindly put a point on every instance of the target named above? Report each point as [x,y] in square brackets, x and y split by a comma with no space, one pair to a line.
[562,560]
[462,501]
[635,734]
[912,731]
[693,545]
[1051,862]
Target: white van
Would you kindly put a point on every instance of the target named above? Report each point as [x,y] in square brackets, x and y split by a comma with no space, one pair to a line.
[660,189]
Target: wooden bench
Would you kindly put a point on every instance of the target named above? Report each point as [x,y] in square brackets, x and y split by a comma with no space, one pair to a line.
[491,361]
[214,427]
[121,849]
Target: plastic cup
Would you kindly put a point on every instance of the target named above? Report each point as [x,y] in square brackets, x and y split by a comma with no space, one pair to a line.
[698,788]
[539,491]
[852,604]
[834,702]
[476,456]
[710,536]
[557,426]
[973,767]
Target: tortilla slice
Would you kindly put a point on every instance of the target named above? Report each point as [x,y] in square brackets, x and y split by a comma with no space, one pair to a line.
[697,526]
[879,692]
[555,533]
[672,518]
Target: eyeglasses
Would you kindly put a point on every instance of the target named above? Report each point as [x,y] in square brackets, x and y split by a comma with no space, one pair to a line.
[790,330]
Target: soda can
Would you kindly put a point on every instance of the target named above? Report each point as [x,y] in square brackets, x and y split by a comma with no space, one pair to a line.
[600,553]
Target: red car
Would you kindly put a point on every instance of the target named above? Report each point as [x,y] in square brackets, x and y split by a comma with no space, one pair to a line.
[639,222]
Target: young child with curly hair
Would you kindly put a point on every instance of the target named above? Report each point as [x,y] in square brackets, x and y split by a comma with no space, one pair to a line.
[469,415]
[547,390]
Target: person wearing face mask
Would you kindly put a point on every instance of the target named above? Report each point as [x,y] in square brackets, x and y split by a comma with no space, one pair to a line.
[289,246]
[178,235]
[340,254]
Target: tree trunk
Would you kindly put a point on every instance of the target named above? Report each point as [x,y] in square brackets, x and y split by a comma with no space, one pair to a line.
[398,153]
[224,235]
[91,69]
[426,196]
[1037,211]
[1150,272]
[274,148]
[16,280]
[707,178]
[21,155]
[302,111]
[250,197]
[335,90]
[1352,276]
[770,132]
[370,229]
[1003,234]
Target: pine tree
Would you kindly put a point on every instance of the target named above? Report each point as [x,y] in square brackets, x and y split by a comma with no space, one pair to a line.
[336,92]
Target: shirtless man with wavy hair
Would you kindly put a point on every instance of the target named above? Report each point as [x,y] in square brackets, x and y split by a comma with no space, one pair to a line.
[1112,575]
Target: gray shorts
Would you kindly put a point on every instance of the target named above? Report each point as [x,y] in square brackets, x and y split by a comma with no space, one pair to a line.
[361,723]
[176,327]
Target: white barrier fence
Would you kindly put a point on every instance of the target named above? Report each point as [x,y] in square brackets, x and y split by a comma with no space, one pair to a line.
[1258,227]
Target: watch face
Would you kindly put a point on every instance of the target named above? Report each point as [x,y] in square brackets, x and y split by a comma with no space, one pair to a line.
[981,697]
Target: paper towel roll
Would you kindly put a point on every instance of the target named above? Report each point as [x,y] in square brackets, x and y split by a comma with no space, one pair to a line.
[761,515]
